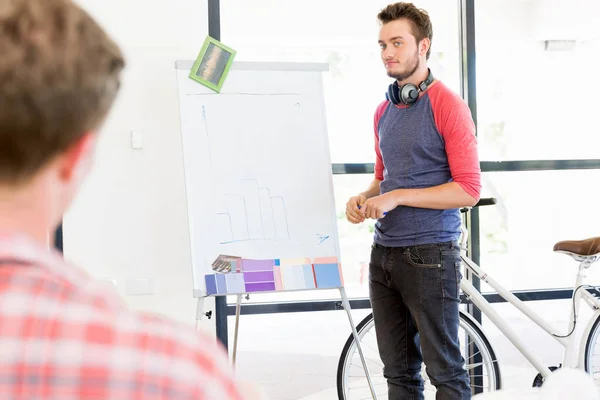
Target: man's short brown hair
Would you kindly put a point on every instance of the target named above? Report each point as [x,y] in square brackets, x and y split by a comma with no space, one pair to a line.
[419,20]
[59,75]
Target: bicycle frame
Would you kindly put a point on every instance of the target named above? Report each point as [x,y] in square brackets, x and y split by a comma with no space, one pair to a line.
[566,340]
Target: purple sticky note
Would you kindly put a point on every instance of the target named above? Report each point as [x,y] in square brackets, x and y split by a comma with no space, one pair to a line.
[260,287]
[257,265]
[259,276]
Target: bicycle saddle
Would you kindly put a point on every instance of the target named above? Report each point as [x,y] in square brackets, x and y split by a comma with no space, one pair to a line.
[584,248]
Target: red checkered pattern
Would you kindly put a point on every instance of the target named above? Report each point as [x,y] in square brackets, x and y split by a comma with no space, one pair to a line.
[65,336]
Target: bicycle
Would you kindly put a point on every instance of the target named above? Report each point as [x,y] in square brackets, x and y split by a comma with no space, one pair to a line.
[478,352]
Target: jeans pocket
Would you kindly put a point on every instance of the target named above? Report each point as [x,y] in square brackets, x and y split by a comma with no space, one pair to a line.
[423,258]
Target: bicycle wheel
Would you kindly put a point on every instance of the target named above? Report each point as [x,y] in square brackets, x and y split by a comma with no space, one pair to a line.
[592,352]
[481,362]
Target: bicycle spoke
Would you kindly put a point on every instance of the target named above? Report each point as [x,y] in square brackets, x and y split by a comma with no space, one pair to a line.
[473,366]
[359,364]
[369,347]
[377,362]
[366,386]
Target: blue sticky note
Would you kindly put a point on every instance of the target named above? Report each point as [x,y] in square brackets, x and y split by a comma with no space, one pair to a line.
[211,284]
[309,276]
[221,284]
[235,283]
[327,276]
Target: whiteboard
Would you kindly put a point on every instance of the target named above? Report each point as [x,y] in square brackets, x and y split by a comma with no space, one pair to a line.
[258,177]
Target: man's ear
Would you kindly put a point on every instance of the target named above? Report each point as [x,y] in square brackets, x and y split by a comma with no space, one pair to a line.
[77,159]
[424,46]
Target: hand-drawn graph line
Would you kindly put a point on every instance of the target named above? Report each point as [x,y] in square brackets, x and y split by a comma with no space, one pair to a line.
[229,216]
[322,238]
[229,220]
[265,219]
[287,228]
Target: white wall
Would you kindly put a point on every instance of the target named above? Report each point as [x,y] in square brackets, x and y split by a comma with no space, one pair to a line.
[130,220]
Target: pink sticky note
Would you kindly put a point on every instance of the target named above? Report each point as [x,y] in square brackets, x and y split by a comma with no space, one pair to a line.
[326,260]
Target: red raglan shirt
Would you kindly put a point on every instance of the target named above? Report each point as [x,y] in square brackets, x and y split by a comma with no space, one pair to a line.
[426,144]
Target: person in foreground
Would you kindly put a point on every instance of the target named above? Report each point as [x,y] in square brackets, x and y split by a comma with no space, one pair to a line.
[426,168]
[62,334]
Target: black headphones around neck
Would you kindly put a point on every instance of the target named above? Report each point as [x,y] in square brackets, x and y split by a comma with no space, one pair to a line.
[409,93]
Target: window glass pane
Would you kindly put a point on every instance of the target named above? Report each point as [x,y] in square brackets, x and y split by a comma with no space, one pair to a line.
[343,34]
[536,98]
[534,211]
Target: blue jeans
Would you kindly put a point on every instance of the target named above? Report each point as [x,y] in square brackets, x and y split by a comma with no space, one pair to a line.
[414,294]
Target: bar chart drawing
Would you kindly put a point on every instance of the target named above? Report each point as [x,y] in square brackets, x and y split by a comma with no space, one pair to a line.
[253,215]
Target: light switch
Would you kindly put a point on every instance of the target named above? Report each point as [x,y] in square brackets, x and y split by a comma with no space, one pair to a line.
[137,140]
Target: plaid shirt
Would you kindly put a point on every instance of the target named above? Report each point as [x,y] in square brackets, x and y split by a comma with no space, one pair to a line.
[64,335]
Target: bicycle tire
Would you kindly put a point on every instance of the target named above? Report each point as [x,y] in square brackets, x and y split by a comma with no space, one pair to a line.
[592,340]
[367,324]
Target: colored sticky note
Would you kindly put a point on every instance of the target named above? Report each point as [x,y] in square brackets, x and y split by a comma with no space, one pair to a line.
[235,283]
[325,260]
[221,284]
[259,276]
[294,261]
[211,284]
[257,265]
[293,277]
[327,276]
[260,287]
[277,276]
[309,277]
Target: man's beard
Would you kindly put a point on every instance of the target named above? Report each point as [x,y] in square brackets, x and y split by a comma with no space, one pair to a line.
[407,74]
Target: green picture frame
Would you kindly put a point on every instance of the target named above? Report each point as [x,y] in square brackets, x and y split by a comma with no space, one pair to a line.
[212,64]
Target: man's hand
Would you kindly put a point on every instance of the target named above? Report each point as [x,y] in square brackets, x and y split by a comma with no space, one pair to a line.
[353,213]
[377,206]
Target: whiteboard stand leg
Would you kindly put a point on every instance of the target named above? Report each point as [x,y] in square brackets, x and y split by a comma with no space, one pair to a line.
[238,309]
[199,312]
[346,305]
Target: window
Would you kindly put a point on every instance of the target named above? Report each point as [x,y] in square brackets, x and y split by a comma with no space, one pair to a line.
[536,98]
[534,211]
